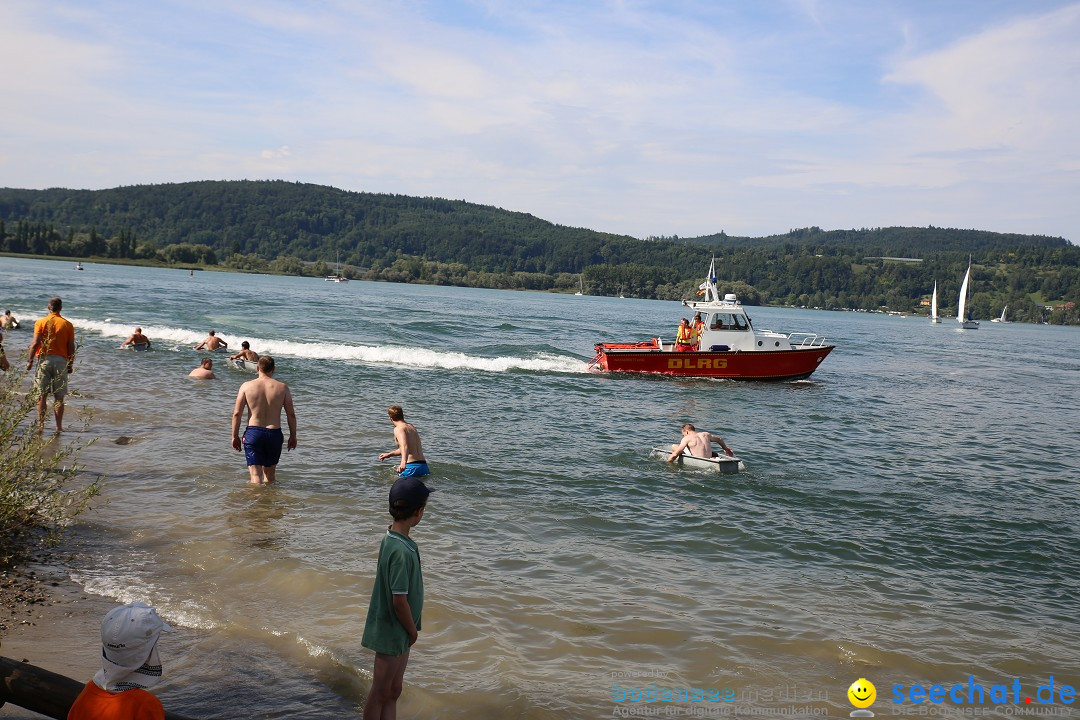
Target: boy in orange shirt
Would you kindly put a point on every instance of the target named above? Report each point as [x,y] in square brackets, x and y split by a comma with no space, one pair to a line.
[129,664]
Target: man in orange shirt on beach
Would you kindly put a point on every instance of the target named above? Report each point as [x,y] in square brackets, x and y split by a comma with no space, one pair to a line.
[54,346]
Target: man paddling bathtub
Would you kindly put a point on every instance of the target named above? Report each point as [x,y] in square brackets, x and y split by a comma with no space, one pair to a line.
[698,443]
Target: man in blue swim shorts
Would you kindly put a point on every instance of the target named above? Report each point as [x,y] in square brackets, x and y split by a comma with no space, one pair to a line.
[408,448]
[262,446]
[265,398]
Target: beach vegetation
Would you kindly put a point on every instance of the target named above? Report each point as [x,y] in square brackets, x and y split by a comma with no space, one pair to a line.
[42,486]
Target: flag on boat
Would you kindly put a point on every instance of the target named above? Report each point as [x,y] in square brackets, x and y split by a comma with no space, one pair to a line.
[710,280]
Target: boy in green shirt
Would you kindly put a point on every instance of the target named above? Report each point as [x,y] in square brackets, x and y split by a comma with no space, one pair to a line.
[397,599]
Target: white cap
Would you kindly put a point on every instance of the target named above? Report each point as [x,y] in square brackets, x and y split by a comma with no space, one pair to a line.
[129,658]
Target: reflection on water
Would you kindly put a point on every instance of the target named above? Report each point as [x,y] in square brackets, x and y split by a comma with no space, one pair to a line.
[907,514]
[254,516]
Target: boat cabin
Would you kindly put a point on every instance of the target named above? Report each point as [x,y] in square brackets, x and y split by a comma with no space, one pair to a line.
[728,327]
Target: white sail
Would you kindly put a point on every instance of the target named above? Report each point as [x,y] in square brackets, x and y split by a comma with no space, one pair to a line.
[933,305]
[963,296]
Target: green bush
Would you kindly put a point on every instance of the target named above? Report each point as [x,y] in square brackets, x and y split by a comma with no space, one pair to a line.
[41,491]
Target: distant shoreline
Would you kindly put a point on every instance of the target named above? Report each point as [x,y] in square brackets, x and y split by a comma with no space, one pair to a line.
[560,291]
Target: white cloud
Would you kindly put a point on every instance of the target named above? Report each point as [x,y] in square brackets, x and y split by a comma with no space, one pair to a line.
[680,118]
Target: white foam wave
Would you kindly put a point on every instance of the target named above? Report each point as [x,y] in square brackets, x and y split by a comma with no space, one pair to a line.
[154,332]
[127,588]
[381,354]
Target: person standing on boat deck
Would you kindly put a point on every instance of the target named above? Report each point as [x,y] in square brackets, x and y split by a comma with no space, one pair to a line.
[409,448]
[265,398]
[246,353]
[129,664]
[212,342]
[54,346]
[697,325]
[137,338]
[698,444]
[684,337]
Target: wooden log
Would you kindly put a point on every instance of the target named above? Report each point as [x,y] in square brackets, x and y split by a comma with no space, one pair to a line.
[42,691]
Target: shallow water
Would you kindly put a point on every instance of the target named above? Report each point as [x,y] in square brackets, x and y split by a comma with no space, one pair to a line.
[908,514]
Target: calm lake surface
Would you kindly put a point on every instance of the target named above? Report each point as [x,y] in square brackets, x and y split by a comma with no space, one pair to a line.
[908,515]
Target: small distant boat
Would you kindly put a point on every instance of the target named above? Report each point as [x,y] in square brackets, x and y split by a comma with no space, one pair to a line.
[581,286]
[933,306]
[78,266]
[1002,318]
[966,322]
[724,464]
[337,276]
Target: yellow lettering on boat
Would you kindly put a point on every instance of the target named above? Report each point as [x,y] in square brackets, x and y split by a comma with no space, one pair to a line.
[674,363]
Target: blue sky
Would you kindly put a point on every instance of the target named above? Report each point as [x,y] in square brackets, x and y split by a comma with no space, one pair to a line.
[682,117]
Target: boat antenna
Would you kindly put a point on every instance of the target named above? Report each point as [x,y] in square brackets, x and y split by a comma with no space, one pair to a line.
[708,288]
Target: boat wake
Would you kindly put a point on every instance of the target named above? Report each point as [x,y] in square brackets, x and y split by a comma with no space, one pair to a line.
[397,355]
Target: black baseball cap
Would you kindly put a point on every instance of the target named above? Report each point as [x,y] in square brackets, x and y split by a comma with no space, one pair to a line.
[409,491]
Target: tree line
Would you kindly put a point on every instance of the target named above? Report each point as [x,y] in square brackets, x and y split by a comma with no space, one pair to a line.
[303,229]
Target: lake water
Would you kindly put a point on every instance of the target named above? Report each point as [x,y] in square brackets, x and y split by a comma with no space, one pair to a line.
[908,514]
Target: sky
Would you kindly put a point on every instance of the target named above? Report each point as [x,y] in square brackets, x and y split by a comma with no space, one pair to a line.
[675,117]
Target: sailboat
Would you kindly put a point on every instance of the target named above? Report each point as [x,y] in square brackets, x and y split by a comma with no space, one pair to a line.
[581,285]
[966,323]
[933,306]
[1002,318]
[337,276]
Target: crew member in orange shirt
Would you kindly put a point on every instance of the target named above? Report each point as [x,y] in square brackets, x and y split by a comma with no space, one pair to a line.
[697,325]
[54,347]
[684,337]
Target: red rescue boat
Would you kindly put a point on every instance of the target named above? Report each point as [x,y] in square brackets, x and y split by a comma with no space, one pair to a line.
[728,346]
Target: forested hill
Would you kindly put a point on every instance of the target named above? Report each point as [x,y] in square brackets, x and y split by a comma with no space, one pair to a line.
[889,241]
[314,222]
[310,229]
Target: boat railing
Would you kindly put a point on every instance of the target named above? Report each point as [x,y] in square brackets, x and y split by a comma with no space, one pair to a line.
[806,339]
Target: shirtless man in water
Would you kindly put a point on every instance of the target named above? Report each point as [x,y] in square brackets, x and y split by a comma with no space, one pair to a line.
[137,338]
[212,343]
[264,397]
[246,353]
[699,443]
[412,462]
[205,371]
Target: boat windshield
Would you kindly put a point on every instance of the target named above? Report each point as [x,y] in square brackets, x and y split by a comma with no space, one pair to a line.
[728,321]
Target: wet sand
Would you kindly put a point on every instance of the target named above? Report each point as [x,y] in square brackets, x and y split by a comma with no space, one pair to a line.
[56,628]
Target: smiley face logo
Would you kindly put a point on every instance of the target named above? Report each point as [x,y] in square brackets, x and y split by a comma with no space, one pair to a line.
[862,693]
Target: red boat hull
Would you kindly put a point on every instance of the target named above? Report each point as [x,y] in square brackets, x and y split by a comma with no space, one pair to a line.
[754,365]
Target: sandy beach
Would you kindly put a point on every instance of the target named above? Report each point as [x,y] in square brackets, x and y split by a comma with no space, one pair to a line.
[50,622]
